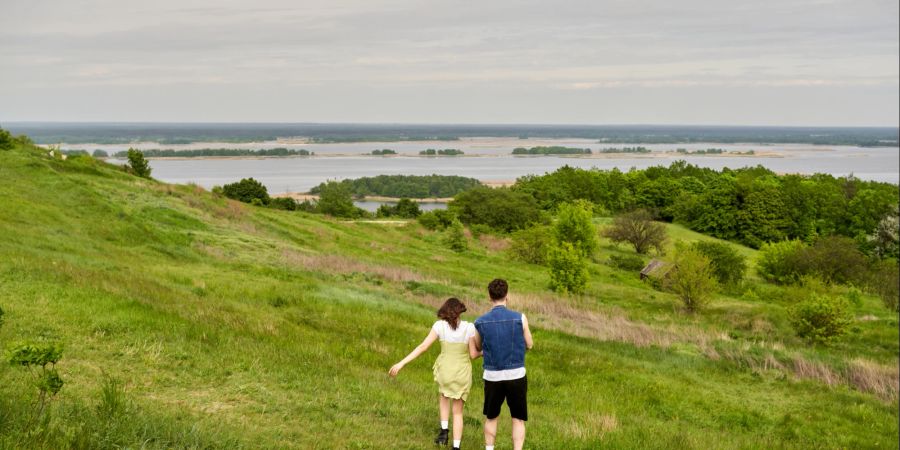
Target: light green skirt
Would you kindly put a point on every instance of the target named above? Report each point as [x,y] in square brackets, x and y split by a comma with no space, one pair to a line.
[453,370]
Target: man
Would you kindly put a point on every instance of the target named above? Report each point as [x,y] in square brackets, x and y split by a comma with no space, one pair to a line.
[503,336]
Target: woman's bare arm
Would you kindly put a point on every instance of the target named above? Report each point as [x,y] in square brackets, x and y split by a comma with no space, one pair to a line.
[421,348]
[475,346]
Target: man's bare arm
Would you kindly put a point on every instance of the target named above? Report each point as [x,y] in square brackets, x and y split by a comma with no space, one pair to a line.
[529,342]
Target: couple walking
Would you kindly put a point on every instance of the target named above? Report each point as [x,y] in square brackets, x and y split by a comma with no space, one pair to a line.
[501,337]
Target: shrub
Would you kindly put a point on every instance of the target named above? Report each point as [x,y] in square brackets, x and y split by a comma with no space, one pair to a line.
[405,208]
[137,164]
[777,261]
[692,279]
[638,229]
[501,209]
[574,225]
[836,259]
[727,264]
[456,237]
[568,270]
[631,263]
[821,318]
[438,219]
[40,360]
[531,245]
[246,191]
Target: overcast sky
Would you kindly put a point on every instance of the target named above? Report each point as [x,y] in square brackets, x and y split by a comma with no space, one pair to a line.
[760,62]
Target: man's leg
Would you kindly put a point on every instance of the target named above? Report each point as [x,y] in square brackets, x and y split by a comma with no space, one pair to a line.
[518,434]
[490,430]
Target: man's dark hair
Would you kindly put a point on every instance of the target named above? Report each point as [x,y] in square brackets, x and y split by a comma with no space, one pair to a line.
[497,289]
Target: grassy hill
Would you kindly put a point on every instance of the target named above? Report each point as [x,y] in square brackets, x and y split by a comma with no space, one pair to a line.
[192,321]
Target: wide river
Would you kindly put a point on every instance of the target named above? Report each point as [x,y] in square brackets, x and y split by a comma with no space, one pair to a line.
[488,159]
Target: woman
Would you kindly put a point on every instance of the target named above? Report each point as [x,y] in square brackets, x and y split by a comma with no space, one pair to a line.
[453,368]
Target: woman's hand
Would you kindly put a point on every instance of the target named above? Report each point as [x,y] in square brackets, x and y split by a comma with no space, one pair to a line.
[395,369]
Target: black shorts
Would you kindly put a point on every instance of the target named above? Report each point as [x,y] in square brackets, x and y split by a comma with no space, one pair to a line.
[515,392]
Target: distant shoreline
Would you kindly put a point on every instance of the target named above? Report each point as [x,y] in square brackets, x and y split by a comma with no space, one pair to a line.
[648,155]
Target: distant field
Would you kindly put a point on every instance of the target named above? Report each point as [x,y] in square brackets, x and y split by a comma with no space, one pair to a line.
[232,326]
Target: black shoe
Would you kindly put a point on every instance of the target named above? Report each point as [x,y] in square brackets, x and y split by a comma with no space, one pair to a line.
[442,437]
[455,448]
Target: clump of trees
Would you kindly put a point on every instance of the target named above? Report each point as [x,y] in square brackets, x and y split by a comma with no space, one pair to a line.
[6,140]
[551,150]
[441,152]
[404,209]
[408,186]
[100,154]
[137,164]
[638,229]
[501,209]
[335,200]
[383,152]
[438,219]
[213,152]
[248,190]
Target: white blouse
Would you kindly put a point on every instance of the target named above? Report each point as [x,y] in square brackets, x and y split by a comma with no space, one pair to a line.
[461,334]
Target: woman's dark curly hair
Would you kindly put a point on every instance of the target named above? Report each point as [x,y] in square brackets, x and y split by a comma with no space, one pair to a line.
[451,310]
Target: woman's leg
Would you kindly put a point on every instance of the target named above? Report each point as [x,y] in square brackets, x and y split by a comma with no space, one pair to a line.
[457,419]
[444,406]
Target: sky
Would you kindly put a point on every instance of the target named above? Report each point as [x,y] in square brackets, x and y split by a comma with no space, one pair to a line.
[715,62]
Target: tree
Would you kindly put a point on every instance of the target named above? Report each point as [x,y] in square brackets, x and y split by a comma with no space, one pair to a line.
[247,190]
[692,279]
[407,209]
[727,264]
[638,229]
[886,238]
[137,164]
[437,219]
[335,200]
[885,281]
[568,270]
[456,237]
[574,225]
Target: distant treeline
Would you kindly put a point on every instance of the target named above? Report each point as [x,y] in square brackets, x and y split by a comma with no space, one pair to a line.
[126,133]
[407,186]
[708,151]
[199,153]
[383,152]
[625,150]
[751,205]
[442,152]
[551,150]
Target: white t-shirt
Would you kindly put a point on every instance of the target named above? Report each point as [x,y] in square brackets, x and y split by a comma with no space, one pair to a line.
[461,334]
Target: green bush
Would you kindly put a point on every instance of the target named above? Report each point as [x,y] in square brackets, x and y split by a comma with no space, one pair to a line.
[777,262]
[692,279]
[501,209]
[137,164]
[246,191]
[438,219]
[727,264]
[885,281]
[531,245]
[821,318]
[456,237]
[568,269]
[405,208]
[574,225]
[631,263]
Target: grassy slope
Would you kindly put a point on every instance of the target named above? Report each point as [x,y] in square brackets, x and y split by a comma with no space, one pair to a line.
[230,325]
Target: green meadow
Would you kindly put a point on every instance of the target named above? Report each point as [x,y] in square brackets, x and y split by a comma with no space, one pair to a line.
[192,321]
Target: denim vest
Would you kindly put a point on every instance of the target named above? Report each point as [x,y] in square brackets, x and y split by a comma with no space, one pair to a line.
[502,339]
